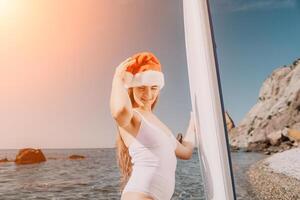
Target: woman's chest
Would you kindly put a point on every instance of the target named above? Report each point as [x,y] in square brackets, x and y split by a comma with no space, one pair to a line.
[159,125]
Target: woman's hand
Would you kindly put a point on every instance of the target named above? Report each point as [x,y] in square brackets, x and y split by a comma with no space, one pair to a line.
[120,70]
[190,135]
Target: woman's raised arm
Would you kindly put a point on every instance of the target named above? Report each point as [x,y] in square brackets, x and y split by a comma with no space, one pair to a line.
[120,104]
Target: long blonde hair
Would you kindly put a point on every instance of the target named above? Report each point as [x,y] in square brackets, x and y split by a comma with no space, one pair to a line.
[122,154]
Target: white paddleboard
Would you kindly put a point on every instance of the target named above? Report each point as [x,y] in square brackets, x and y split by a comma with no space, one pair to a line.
[212,142]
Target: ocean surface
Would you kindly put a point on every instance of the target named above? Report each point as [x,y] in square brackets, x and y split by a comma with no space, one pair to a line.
[97,176]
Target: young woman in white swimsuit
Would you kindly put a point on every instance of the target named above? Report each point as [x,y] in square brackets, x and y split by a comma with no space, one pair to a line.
[146,148]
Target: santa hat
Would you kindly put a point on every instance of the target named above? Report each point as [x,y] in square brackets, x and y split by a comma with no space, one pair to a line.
[146,70]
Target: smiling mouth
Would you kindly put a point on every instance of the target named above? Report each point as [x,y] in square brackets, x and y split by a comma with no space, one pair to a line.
[145,100]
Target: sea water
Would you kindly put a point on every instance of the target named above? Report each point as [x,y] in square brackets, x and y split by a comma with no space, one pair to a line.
[95,177]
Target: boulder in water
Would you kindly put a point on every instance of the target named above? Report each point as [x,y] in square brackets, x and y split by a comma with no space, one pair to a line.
[4,160]
[30,156]
[76,157]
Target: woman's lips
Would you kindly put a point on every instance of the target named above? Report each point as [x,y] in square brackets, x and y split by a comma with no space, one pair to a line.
[145,100]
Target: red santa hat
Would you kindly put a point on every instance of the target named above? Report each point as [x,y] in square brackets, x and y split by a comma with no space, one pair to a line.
[146,70]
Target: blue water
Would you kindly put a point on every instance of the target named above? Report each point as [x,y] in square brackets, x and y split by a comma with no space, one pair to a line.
[96,177]
[241,162]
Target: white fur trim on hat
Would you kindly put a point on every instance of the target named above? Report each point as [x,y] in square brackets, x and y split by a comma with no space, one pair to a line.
[149,77]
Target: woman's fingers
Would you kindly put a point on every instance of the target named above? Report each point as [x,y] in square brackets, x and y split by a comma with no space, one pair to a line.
[123,66]
[192,119]
[179,137]
[192,123]
[127,62]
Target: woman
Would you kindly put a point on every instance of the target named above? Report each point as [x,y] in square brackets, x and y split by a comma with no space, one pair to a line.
[146,148]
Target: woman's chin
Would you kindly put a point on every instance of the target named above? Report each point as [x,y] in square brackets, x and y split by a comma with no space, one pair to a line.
[144,103]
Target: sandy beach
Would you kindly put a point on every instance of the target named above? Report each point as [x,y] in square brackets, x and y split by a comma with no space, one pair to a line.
[277,177]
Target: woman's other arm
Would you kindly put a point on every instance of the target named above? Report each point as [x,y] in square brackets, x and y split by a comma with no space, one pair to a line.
[120,104]
[185,149]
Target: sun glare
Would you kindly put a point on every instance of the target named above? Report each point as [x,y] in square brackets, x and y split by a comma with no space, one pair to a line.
[6,7]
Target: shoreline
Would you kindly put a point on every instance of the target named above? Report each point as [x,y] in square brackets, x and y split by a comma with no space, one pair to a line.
[271,180]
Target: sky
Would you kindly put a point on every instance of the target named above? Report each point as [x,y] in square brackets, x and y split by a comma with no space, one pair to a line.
[57,60]
[57,63]
[253,38]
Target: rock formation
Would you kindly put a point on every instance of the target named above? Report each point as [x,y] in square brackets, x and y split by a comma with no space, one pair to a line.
[75,157]
[229,122]
[293,135]
[30,156]
[4,160]
[276,113]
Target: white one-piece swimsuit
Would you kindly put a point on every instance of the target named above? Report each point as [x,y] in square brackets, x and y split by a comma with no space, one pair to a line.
[154,162]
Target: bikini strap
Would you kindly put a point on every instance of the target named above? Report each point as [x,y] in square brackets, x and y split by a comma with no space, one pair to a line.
[171,137]
[138,113]
[142,117]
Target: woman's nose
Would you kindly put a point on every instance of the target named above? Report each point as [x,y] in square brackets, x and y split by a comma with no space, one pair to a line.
[148,92]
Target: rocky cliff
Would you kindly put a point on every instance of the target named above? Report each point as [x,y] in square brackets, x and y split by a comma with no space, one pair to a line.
[276,113]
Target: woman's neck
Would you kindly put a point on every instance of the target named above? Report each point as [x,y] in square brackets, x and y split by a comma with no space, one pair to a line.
[144,110]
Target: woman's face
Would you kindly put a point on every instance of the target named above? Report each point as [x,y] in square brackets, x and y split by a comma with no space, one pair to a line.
[145,95]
